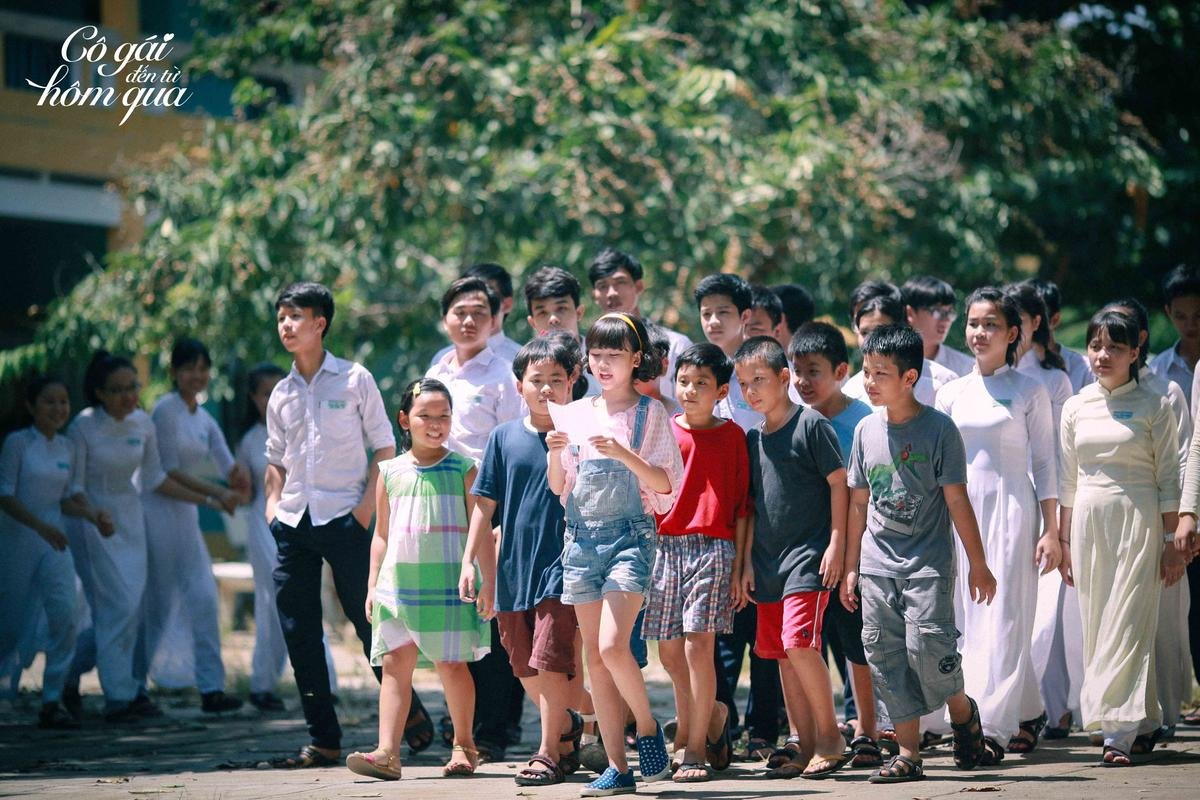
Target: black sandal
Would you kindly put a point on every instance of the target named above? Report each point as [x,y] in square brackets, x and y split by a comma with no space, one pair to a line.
[308,758]
[900,769]
[866,753]
[968,739]
[786,754]
[1032,727]
[992,753]
[720,752]
[1116,753]
[1144,744]
[418,728]
[529,775]
[569,762]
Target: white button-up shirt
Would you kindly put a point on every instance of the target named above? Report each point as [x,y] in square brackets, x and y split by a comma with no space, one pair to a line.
[1170,366]
[498,343]
[319,433]
[483,393]
[933,377]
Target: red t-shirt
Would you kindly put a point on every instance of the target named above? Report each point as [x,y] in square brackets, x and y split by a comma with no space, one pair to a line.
[716,482]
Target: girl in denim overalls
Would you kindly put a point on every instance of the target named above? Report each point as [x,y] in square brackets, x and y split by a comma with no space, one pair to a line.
[611,487]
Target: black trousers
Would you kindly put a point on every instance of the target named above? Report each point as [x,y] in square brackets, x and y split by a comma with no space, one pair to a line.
[499,697]
[346,546]
[1193,575]
[766,694]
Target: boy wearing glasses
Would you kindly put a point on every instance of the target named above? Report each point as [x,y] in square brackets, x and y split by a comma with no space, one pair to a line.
[930,306]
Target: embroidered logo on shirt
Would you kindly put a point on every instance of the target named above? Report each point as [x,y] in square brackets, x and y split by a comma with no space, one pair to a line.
[63,465]
[1004,402]
[1122,415]
[133,441]
[335,405]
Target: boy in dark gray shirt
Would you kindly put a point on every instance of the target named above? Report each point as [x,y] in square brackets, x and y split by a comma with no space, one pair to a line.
[907,483]
[796,546]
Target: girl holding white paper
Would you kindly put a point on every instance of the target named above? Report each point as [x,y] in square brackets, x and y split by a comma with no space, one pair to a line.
[611,487]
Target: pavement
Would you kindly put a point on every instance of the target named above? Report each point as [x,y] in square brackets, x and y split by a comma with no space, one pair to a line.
[190,755]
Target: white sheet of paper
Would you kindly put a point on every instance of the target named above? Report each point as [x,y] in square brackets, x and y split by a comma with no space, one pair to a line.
[580,422]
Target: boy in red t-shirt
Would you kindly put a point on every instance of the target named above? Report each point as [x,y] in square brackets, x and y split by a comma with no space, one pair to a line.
[701,546]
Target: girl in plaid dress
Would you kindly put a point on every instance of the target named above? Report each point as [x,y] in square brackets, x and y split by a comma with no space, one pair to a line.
[422,507]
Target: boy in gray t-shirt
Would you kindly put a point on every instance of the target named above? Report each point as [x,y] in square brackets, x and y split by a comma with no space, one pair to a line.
[907,481]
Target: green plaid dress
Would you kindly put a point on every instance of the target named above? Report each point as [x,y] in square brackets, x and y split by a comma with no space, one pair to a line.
[416,595]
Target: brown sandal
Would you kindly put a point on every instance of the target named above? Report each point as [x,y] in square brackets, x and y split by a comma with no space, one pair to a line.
[459,769]
[309,757]
[377,764]
[549,773]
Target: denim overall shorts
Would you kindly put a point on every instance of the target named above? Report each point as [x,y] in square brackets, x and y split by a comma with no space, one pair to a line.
[610,540]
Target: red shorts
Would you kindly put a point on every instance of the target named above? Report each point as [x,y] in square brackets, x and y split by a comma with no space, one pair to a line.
[541,639]
[792,623]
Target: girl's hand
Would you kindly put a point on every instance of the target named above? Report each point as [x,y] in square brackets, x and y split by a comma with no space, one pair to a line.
[609,447]
[981,584]
[849,591]
[53,536]
[1048,553]
[239,478]
[229,500]
[485,602]
[104,523]
[1185,532]
[1064,567]
[556,441]
[747,584]
[466,583]
[1173,566]
[831,566]
[370,603]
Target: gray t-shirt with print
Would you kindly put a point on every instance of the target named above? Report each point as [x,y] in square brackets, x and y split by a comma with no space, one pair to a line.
[905,466]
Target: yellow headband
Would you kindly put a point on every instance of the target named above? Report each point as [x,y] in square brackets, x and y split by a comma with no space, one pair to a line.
[625,318]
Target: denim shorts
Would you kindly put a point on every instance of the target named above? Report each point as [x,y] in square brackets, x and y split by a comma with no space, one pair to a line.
[606,557]
[911,643]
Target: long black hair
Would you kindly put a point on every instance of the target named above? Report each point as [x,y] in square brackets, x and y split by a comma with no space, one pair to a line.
[102,365]
[1029,301]
[257,374]
[411,392]
[1006,305]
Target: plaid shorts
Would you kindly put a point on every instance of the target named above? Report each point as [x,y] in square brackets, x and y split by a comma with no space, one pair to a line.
[690,587]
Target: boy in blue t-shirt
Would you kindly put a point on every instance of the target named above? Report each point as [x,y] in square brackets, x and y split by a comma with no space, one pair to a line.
[524,583]
[820,362]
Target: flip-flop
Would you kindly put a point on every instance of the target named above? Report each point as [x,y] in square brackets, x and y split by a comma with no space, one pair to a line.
[692,766]
[1115,753]
[309,757]
[531,776]
[837,761]
[418,728]
[913,771]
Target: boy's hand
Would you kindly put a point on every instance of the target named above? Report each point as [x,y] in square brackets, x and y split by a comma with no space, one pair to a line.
[557,441]
[1048,553]
[1064,567]
[831,566]
[735,587]
[747,584]
[1173,566]
[466,583]
[485,602]
[849,591]
[1185,533]
[982,584]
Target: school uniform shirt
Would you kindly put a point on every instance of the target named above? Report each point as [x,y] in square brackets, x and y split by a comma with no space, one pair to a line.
[319,433]
[499,343]
[1179,410]
[933,377]
[1170,365]
[956,361]
[1057,383]
[483,393]
[39,472]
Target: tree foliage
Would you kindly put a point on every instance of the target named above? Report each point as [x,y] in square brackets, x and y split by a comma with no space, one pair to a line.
[787,140]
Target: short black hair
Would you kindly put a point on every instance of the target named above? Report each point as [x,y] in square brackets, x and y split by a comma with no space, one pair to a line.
[548,282]
[308,294]
[1182,281]
[411,392]
[798,305]
[819,339]
[875,295]
[1048,291]
[764,349]
[658,339]
[492,273]
[466,286]
[727,284]
[926,291]
[1122,328]
[102,364]
[611,260]
[707,356]
[900,343]
[1135,310]
[768,301]
[558,346]
[188,351]
[620,331]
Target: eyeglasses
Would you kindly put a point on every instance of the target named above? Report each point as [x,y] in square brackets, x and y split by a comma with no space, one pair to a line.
[129,388]
[945,313]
